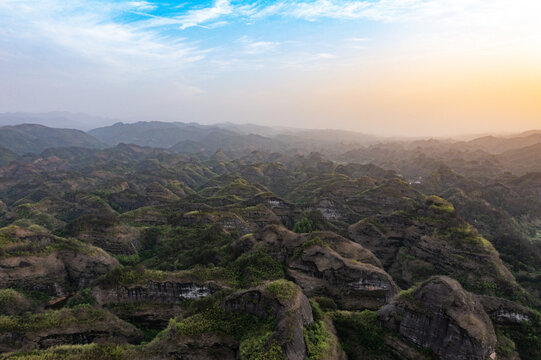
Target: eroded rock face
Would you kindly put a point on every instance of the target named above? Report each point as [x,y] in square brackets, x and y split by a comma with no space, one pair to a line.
[166,292]
[207,347]
[284,210]
[83,267]
[257,216]
[53,272]
[504,312]
[324,263]
[151,302]
[13,302]
[147,315]
[291,311]
[320,270]
[108,234]
[330,210]
[414,246]
[227,220]
[36,273]
[442,316]
[70,327]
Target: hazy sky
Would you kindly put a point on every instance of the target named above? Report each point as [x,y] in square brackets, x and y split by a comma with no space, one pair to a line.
[394,67]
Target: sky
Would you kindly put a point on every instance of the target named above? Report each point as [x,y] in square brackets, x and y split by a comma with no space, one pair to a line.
[384,67]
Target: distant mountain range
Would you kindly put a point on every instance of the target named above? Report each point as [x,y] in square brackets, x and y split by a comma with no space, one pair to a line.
[55,119]
[196,138]
[520,153]
[498,145]
[33,138]
[155,133]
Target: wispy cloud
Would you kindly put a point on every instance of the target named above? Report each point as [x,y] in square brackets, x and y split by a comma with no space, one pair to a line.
[375,10]
[220,13]
[325,56]
[91,31]
[98,28]
[149,35]
[252,47]
[201,16]
[326,8]
[142,5]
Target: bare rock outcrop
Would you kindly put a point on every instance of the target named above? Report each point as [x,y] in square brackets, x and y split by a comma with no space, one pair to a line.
[434,240]
[151,301]
[287,304]
[320,270]
[504,312]
[326,264]
[160,292]
[43,262]
[82,325]
[107,233]
[439,314]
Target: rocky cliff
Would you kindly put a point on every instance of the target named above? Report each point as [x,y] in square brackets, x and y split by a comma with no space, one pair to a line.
[284,302]
[434,240]
[324,263]
[160,292]
[440,315]
[38,261]
[80,325]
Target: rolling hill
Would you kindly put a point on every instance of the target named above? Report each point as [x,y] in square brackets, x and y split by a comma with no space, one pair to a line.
[33,138]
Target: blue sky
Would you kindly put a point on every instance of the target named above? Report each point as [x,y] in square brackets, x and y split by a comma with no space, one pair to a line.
[321,63]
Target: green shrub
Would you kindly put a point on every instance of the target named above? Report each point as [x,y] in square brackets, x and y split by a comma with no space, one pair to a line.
[129,260]
[440,205]
[124,276]
[252,269]
[260,347]
[359,331]
[281,289]
[182,247]
[317,313]
[304,225]
[81,314]
[13,302]
[527,337]
[506,346]
[83,297]
[316,241]
[75,352]
[325,303]
[317,339]
[213,319]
